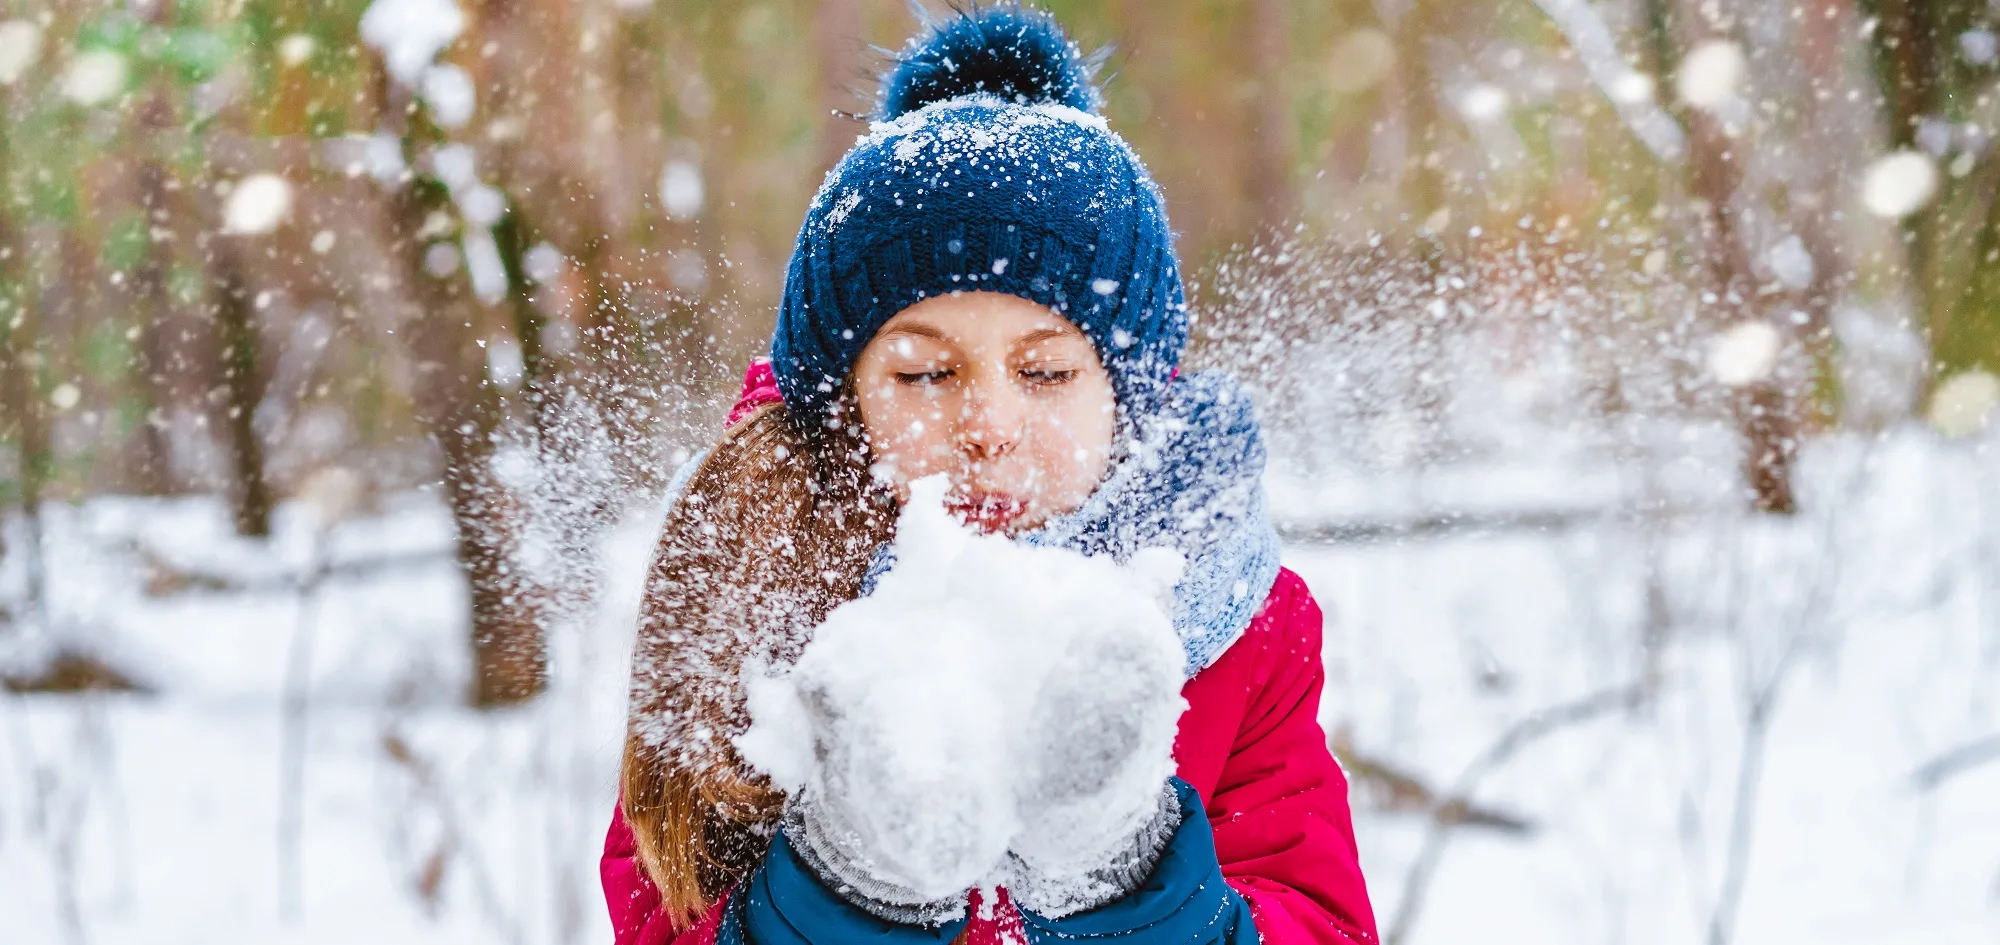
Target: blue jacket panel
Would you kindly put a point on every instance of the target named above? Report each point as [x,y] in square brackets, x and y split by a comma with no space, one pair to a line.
[1184,902]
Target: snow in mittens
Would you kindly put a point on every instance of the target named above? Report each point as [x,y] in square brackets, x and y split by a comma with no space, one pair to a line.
[943,678]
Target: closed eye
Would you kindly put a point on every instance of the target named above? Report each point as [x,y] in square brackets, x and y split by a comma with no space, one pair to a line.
[1049,377]
[921,378]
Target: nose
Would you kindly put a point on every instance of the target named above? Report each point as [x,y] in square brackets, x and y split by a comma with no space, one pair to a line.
[992,425]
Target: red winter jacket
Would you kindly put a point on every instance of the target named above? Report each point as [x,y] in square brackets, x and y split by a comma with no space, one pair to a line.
[1249,743]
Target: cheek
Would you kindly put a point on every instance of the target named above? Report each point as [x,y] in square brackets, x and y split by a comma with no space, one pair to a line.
[906,430]
[1076,446]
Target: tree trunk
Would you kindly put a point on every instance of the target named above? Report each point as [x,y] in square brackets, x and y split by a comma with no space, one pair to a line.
[537,374]
[1416,93]
[1920,73]
[1908,86]
[1767,411]
[462,411]
[155,356]
[242,388]
[22,418]
[149,286]
[1272,134]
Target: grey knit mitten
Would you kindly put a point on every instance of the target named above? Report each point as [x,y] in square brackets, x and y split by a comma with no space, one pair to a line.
[1096,807]
[901,841]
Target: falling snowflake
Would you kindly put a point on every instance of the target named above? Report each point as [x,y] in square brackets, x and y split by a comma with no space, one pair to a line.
[94,77]
[1633,88]
[295,49]
[681,190]
[1791,263]
[1744,354]
[1964,402]
[20,46]
[256,205]
[1979,47]
[542,263]
[1483,102]
[1711,74]
[1899,184]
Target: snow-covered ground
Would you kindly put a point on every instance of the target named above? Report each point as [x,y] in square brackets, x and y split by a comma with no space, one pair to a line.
[1867,631]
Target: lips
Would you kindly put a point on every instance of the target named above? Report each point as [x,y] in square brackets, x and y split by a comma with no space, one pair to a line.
[986,511]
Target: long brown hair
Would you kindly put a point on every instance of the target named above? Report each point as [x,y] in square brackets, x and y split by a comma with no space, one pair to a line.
[774,529]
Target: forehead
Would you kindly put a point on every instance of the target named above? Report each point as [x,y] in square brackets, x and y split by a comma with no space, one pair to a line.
[977,318]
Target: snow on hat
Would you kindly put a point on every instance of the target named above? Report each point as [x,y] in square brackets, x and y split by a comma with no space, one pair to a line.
[988,167]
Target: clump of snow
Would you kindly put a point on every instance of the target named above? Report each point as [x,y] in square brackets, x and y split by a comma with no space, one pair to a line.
[20,46]
[482,205]
[1711,74]
[1934,136]
[1016,119]
[1963,404]
[257,204]
[1744,354]
[1899,184]
[447,89]
[1979,47]
[1791,262]
[483,265]
[456,166]
[982,684]
[841,210]
[542,263]
[441,260]
[382,159]
[95,77]
[410,33]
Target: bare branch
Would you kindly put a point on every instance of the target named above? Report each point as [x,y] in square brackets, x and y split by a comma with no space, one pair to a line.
[1520,735]
[1956,762]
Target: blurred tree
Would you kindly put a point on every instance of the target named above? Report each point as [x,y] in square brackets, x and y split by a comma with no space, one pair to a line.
[1272,129]
[1767,409]
[239,381]
[1936,70]
[460,406]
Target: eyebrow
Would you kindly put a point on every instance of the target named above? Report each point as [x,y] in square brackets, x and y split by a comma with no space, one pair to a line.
[919,329]
[1040,335]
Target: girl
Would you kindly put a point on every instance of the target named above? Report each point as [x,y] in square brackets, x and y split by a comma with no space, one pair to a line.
[984,287]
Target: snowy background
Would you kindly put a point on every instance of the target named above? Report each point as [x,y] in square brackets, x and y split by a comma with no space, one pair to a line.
[1628,367]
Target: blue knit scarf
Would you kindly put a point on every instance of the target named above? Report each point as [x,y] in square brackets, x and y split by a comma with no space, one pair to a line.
[1191,481]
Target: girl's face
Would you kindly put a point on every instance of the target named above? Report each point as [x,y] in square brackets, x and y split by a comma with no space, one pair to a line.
[1002,395]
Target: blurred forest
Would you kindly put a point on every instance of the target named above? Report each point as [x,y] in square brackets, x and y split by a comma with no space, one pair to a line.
[299,248]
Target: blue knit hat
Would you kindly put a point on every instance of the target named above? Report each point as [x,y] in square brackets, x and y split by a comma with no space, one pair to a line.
[988,167]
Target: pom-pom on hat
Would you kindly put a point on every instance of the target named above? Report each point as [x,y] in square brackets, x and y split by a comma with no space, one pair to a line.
[988,167]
